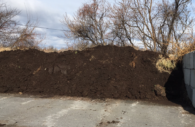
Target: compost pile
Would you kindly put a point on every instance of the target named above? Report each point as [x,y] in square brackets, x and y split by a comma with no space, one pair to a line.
[99,72]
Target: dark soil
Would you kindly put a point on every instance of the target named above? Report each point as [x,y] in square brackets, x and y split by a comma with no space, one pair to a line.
[100,72]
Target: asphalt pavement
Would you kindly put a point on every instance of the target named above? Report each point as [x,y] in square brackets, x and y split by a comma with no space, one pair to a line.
[31,111]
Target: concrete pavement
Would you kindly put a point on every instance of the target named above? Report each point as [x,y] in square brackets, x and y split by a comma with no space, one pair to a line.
[29,111]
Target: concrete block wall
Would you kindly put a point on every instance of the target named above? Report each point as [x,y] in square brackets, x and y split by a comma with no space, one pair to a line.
[189,75]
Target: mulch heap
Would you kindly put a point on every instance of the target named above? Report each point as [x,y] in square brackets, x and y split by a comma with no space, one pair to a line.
[99,72]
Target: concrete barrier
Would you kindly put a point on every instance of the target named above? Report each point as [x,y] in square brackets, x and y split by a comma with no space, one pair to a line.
[189,75]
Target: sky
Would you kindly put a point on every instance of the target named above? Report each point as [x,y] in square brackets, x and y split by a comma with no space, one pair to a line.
[49,14]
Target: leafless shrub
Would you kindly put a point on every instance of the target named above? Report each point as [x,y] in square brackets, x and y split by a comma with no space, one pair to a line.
[50,49]
[181,50]
[27,37]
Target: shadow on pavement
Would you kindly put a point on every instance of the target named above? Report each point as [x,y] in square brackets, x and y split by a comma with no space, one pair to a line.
[176,90]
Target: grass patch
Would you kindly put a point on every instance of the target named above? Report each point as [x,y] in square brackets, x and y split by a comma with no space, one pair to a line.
[165,64]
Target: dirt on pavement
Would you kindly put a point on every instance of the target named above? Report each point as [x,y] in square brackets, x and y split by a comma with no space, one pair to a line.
[99,72]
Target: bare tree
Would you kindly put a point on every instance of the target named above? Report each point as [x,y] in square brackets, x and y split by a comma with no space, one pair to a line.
[7,24]
[6,17]
[157,22]
[175,21]
[90,23]
[16,36]
[152,22]
[122,28]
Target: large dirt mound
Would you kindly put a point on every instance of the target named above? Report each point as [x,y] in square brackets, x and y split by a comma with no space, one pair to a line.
[100,72]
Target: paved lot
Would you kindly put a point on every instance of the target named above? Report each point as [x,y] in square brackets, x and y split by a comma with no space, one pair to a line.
[21,111]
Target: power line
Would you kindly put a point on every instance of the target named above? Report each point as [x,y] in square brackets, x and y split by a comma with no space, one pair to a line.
[44,28]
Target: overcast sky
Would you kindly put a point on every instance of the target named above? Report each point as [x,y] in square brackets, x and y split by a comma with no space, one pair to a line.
[49,14]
